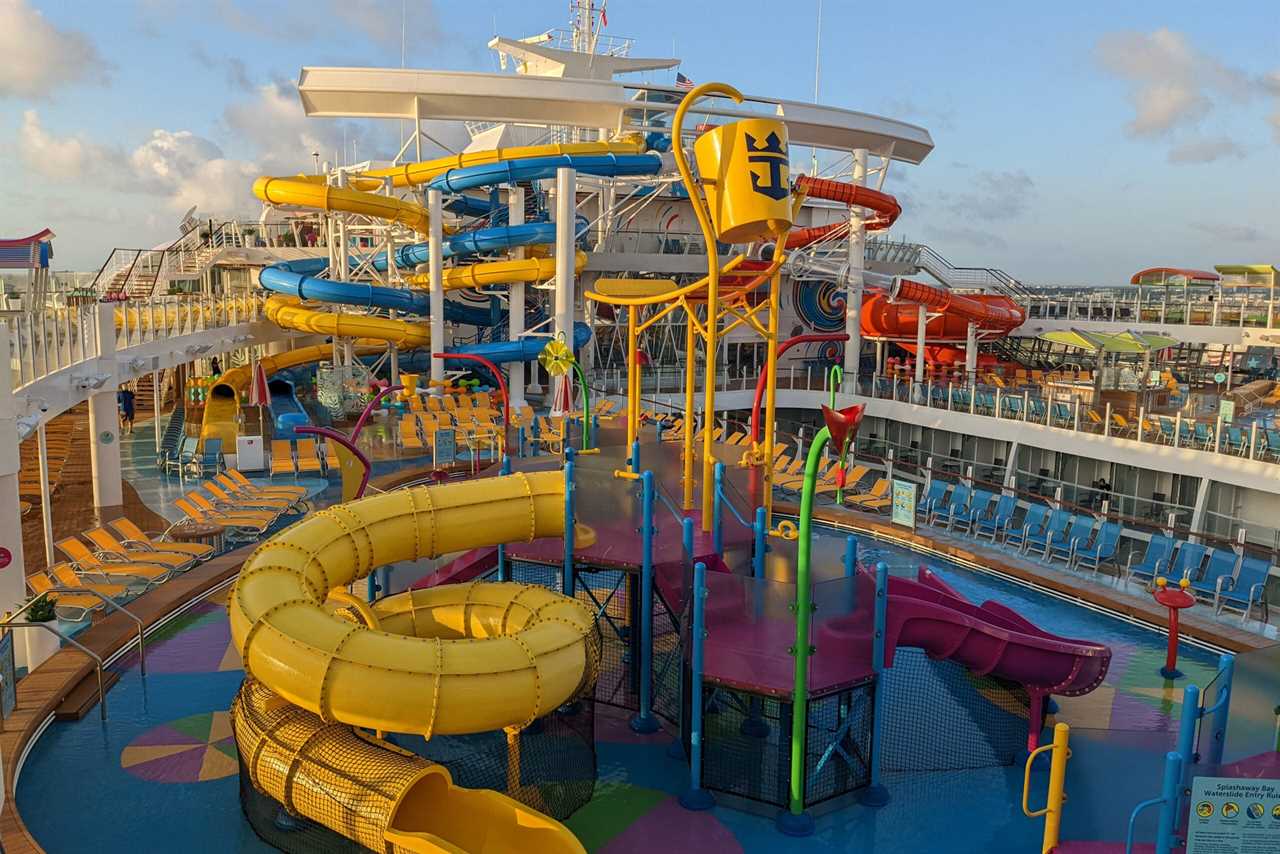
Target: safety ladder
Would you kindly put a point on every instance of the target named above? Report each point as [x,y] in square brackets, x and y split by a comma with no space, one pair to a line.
[1059,753]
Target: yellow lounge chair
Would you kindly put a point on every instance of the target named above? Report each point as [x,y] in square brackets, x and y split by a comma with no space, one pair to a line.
[257,502]
[267,517]
[271,488]
[250,493]
[851,479]
[135,536]
[870,500]
[239,525]
[66,576]
[409,438]
[108,566]
[106,541]
[72,607]
[282,457]
[308,457]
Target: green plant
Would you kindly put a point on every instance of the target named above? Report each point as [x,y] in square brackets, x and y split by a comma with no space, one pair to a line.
[41,610]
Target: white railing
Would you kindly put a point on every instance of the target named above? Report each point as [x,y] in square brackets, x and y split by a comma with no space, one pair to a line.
[164,317]
[1086,305]
[50,339]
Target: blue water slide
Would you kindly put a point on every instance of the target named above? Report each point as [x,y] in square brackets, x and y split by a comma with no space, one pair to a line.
[286,411]
[540,168]
[473,242]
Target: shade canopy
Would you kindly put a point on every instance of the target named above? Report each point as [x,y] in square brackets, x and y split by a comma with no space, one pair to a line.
[1100,342]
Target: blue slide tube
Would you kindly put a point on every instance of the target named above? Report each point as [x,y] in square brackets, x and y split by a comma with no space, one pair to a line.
[540,168]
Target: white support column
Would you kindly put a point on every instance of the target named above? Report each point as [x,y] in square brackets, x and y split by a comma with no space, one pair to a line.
[971,353]
[922,321]
[515,322]
[13,588]
[1011,467]
[566,196]
[156,399]
[854,282]
[1202,506]
[46,499]
[435,267]
[104,419]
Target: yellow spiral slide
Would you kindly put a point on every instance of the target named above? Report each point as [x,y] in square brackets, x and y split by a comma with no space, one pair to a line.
[455,659]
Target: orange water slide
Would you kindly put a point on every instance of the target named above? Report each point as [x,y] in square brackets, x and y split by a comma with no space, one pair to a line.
[893,316]
[885,206]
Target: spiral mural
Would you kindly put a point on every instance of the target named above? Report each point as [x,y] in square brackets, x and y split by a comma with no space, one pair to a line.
[818,305]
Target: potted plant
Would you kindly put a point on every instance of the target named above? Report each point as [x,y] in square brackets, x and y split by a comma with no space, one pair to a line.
[40,644]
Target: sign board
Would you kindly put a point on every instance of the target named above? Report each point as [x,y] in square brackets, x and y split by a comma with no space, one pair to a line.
[446,446]
[1219,378]
[1234,815]
[8,675]
[904,504]
[1227,409]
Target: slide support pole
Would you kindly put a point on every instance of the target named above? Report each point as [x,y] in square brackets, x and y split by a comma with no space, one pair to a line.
[644,721]
[697,798]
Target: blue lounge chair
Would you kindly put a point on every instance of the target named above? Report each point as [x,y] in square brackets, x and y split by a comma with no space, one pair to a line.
[1204,435]
[958,505]
[1033,521]
[1186,564]
[932,498]
[1055,529]
[1273,444]
[994,525]
[1101,550]
[1011,406]
[186,455]
[210,461]
[1236,441]
[1220,569]
[1154,561]
[977,506]
[1247,588]
[1077,535]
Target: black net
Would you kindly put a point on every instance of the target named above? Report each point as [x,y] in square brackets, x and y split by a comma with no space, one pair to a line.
[294,834]
[668,657]
[941,717]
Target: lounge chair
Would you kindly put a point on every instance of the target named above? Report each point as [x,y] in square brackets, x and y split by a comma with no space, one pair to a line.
[1101,550]
[140,539]
[227,499]
[309,457]
[1247,588]
[994,524]
[978,505]
[1154,561]
[72,607]
[238,527]
[875,498]
[1018,536]
[409,438]
[958,505]
[267,517]
[65,575]
[1055,529]
[250,493]
[107,542]
[110,567]
[1077,536]
[210,459]
[932,498]
[828,482]
[282,457]
[1186,564]
[1222,564]
[270,488]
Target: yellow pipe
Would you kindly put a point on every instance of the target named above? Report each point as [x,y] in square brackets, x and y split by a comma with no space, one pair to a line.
[690,376]
[397,801]
[1060,752]
[633,377]
[361,607]
[771,393]
[730,265]
[307,193]
[461,658]
[499,272]
[287,312]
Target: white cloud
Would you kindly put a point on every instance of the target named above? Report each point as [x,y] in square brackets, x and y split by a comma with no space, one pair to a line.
[63,158]
[168,157]
[39,57]
[992,196]
[1205,150]
[1172,84]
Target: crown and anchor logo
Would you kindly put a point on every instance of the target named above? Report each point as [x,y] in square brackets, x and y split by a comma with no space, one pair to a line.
[774,155]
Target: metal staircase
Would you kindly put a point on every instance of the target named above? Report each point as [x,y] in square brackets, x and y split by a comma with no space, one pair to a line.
[924,258]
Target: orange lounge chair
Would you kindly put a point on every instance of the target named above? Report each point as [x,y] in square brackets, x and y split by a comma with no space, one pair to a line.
[225,498]
[308,457]
[239,526]
[266,517]
[135,536]
[282,457]
[109,566]
[66,576]
[107,542]
[72,607]
[267,489]
[874,498]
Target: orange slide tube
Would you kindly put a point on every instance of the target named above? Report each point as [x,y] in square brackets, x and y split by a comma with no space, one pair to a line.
[893,316]
[886,207]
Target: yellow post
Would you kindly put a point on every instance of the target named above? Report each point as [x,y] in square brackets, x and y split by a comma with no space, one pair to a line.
[690,373]
[771,395]
[1052,812]
[633,379]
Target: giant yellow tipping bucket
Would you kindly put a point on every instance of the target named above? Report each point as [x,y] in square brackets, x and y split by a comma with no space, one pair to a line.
[745,170]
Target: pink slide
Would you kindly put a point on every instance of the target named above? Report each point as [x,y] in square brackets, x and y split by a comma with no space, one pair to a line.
[990,639]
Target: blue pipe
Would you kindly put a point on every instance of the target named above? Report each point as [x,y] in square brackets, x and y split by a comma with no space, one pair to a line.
[686,537]
[541,168]
[644,722]
[761,544]
[696,797]
[520,441]
[1219,711]
[876,795]
[1187,740]
[635,455]
[717,511]
[566,575]
[1169,798]
[850,555]
[504,571]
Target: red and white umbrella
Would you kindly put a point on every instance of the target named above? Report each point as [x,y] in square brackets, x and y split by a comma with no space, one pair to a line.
[258,393]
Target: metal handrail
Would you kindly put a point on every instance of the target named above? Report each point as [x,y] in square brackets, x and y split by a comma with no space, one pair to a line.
[142,649]
[102,694]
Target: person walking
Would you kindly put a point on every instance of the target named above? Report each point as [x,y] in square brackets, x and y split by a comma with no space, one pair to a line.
[125,400]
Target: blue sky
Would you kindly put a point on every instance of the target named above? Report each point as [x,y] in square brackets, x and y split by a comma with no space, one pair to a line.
[1076,143]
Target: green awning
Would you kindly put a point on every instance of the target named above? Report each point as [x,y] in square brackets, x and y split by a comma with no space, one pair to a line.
[1102,342]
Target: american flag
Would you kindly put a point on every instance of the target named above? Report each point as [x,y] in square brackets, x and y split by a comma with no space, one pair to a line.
[683,82]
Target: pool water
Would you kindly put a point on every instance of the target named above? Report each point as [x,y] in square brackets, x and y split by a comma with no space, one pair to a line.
[161,775]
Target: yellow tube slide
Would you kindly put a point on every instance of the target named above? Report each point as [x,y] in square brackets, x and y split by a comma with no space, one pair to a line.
[287,312]
[499,272]
[455,659]
[306,193]
[375,793]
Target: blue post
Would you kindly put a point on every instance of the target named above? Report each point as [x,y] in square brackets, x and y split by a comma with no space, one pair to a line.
[686,537]
[644,721]
[717,512]
[761,544]
[1170,790]
[696,797]
[1187,741]
[850,555]
[658,424]
[876,795]
[536,434]
[635,455]
[1218,713]
[566,575]
[504,571]
[595,430]
[676,749]
[520,441]
[373,588]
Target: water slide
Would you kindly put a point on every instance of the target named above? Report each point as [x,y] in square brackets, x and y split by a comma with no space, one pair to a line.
[286,410]
[893,317]
[457,659]
[988,639]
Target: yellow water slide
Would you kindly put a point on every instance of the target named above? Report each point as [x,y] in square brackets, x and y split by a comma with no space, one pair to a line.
[288,313]
[449,660]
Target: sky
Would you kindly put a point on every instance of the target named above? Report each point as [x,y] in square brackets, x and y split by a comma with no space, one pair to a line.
[1075,143]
